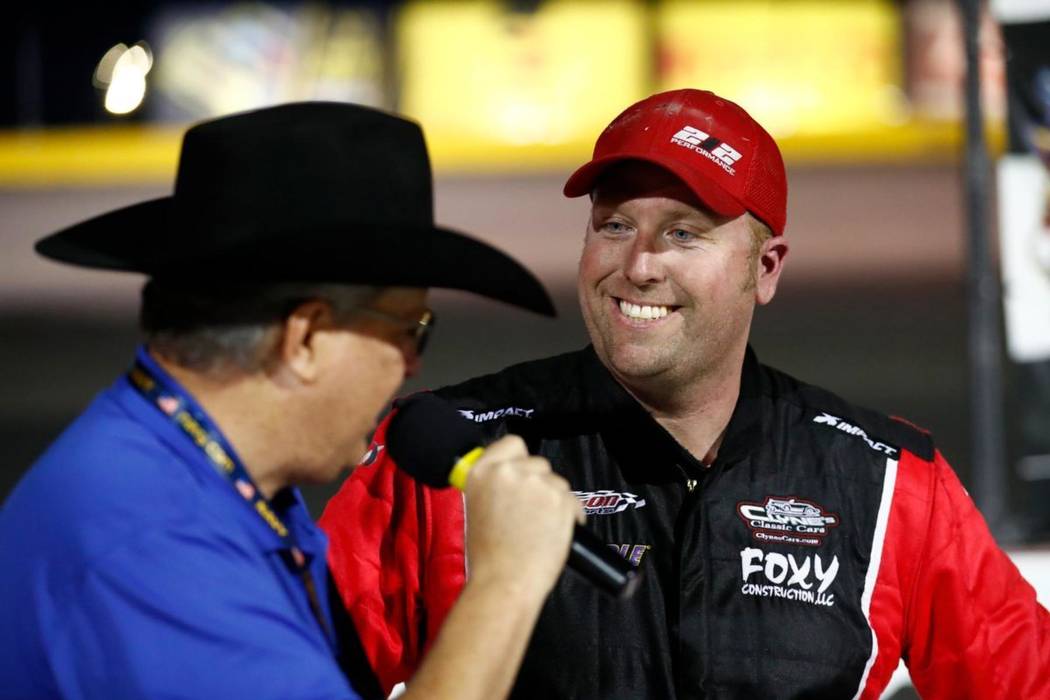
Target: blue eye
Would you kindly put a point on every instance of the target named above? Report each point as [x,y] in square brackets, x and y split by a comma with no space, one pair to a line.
[615,227]
[682,236]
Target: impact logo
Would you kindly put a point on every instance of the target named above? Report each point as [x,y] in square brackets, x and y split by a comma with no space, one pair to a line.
[485,416]
[839,424]
[607,502]
[775,575]
[787,519]
[720,153]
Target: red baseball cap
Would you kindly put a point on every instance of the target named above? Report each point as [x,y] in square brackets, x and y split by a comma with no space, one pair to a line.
[723,155]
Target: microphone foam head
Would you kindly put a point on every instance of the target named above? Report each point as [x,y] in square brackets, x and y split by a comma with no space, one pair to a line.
[426,436]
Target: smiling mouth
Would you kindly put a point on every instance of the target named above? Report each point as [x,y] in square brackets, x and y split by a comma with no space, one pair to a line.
[643,312]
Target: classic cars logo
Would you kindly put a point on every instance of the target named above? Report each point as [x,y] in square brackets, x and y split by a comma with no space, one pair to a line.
[788,520]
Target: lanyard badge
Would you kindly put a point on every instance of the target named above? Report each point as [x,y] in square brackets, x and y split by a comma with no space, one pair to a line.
[197,427]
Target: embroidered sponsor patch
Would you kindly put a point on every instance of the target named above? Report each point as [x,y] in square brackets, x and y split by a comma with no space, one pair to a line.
[717,151]
[850,429]
[787,519]
[803,579]
[631,552]
[485,416]
[607,502]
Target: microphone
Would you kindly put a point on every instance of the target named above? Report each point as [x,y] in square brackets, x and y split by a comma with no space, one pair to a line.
[430,441]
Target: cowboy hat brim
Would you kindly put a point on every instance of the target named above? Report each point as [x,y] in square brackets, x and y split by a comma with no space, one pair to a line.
[352,253]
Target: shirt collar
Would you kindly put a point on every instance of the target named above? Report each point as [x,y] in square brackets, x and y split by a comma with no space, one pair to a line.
[630,430]
[745,424]
[287,504]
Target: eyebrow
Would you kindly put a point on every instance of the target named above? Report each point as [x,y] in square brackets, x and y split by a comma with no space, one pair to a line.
[679,212]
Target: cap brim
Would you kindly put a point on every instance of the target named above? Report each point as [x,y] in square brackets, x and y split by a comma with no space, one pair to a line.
[706,190]
[144,238]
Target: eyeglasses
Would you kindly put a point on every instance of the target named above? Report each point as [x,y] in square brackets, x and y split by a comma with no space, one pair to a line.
[419,329]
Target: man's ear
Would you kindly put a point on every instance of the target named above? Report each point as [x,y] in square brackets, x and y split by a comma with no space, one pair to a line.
[297,349]
[770,265]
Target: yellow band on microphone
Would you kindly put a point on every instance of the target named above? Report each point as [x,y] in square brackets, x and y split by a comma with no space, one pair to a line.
[458,476]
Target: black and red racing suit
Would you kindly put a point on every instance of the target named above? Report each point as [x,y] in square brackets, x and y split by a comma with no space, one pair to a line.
[825,543]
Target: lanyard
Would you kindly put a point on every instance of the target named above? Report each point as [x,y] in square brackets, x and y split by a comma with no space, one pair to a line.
[170,400]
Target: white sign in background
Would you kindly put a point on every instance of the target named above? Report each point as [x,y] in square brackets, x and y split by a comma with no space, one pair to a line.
[1024,238]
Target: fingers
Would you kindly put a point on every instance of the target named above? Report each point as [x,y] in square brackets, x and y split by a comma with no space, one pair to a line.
[581,516]
[507,447]
[513,498]
[509,458]
[515,474]
[509,453]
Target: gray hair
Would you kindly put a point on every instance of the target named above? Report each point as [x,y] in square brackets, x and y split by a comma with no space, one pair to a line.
[223,328]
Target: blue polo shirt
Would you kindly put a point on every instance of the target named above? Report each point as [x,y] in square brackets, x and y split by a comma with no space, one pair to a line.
[131,568]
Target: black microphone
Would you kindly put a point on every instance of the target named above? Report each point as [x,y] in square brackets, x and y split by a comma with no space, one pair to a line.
[437,446]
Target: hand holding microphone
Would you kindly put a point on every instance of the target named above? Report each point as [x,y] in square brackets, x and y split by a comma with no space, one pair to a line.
[519,516]
[519,512]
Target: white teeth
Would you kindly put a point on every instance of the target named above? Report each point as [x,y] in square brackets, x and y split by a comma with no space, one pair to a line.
[643,312]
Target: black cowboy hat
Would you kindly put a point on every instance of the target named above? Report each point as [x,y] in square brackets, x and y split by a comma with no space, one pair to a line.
[305,192]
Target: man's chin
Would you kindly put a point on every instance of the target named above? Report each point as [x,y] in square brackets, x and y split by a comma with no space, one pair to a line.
[636,363]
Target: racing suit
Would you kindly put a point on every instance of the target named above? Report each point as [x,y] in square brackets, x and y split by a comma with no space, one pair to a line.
[824,543]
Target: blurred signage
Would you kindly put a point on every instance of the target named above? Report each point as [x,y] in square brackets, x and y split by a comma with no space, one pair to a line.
[1024,239]
[937,63]
[217,59]
[799,66]
[489,82]
[1024,193]
[1024,229]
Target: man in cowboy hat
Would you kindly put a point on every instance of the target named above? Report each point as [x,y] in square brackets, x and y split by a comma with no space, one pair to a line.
[159,547]
[793,545]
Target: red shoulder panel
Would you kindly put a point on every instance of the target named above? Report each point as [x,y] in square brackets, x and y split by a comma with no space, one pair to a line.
[974,628]
[396,553]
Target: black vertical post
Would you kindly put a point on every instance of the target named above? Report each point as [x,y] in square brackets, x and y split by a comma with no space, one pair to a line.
[28,86]
[986,383]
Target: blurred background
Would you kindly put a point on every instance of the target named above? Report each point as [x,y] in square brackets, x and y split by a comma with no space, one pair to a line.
[865,97]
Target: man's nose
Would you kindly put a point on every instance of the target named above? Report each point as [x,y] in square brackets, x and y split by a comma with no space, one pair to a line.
[642,265]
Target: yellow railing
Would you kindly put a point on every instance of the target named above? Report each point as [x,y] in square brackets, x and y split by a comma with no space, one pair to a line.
[133,155]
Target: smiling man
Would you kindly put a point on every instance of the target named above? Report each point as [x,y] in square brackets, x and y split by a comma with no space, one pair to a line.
[668,288]
[794,545]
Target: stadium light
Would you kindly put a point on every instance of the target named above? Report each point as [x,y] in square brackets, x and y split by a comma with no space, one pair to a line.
[122,73]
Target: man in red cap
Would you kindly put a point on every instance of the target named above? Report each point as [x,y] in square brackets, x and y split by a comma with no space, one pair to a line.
[793,545]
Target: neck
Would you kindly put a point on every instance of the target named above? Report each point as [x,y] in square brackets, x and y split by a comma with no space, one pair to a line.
[695,413]
[236,405]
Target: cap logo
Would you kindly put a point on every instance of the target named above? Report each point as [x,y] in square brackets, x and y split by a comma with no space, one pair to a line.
[719,152]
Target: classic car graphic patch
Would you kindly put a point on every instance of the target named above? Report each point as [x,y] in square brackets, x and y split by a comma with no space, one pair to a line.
[787,520]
